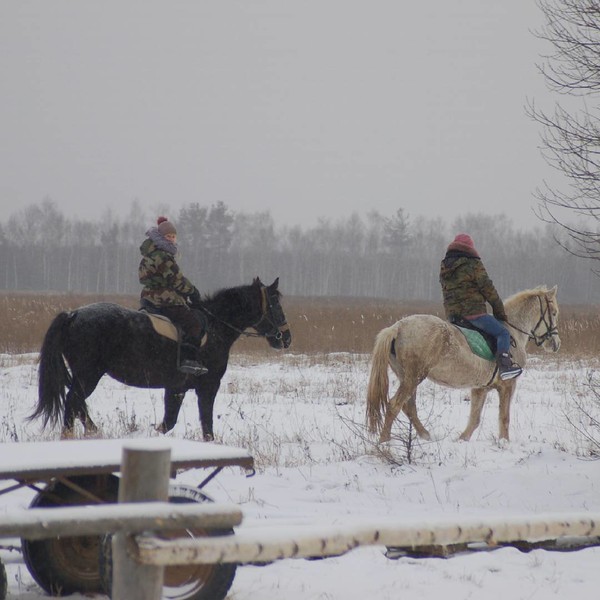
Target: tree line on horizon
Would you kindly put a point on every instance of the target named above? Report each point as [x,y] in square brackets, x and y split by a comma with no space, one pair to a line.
[375,256]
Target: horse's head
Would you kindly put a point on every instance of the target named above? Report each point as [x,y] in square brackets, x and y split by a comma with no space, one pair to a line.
[272,325]
[545,332]
[534,313]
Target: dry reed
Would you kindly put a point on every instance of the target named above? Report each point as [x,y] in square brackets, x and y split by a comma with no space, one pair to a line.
[319,325]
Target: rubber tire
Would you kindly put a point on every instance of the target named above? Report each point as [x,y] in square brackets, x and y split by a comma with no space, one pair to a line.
[67,565]
[3,582]
[186,582]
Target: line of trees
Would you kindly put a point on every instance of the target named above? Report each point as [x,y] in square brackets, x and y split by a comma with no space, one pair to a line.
[358,256]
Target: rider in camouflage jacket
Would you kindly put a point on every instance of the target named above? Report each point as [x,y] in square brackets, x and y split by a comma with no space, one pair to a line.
[167,291]
[466,285]
[466,288]
[159,273]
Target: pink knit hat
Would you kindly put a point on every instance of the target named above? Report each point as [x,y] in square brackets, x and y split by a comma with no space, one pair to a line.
[165,226]
[464,243]
[465,240]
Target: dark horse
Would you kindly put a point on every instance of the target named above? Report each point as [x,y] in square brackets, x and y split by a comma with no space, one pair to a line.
[105,338]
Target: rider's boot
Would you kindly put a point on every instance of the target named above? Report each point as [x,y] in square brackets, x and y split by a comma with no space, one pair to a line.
[189,363]
[506,367]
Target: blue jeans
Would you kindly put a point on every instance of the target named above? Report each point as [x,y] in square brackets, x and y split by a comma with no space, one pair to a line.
[491,325]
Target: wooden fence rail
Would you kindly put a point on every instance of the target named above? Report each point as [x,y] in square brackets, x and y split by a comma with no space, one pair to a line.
[98,519]
[269,543]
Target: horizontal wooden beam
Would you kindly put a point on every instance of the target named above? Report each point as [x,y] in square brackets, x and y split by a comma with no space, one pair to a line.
[267,543]
[98,519]
[44,461]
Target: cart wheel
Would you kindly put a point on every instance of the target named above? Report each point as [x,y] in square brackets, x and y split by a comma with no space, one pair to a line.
[182,582]
[3,582]
[66,565]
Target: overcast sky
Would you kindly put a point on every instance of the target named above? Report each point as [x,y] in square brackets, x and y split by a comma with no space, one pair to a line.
[305,108]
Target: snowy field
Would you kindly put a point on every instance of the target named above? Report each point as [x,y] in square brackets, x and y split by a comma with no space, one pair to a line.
[302,419]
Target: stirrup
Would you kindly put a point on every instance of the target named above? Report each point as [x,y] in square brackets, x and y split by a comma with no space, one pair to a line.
[190,367]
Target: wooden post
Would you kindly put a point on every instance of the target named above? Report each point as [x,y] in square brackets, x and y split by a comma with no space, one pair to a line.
[144,477]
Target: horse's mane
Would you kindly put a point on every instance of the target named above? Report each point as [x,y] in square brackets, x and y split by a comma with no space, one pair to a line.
[523,295]
[240,291]
[230,301]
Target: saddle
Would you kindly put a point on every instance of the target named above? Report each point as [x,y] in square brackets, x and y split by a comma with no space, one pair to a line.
[165,327]
[482,344]
[162,325]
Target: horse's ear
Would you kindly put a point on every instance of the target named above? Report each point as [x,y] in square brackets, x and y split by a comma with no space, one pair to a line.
[275,284]
[553,290]
[257,281]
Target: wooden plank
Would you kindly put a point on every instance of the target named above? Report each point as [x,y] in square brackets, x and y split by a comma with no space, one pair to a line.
[563,544]
[41,523]
[41,461]
[269,543]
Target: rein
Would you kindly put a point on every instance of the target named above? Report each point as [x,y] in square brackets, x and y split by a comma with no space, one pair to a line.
[551,329]
[266,308]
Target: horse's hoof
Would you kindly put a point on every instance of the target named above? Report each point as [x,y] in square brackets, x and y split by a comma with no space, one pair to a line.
[92,435]
[90,430]
[67,434]
[209,437]
[160,428]
[425,435]
[385,445]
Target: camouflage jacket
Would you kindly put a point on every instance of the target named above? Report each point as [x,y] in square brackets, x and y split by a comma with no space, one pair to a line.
[163,281]
[466,287]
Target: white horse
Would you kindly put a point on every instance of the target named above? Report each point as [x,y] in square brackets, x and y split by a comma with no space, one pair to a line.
[421,347]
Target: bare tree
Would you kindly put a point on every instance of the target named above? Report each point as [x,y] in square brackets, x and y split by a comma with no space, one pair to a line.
[571,130]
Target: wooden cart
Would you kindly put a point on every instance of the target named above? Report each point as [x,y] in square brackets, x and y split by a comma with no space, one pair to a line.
[86,472]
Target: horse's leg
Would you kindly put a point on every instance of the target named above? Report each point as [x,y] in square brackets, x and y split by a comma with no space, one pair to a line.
[406,390]
[206,394]
[172,403]
[410,410]
[76,407]
[478,396]
[505,392]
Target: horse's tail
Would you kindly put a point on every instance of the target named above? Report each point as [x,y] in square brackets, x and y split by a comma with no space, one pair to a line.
[377,392]
[53,376]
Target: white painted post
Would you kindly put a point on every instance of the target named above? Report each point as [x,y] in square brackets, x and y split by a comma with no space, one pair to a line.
[144,477]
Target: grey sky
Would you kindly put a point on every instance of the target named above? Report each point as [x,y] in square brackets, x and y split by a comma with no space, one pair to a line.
[313,108]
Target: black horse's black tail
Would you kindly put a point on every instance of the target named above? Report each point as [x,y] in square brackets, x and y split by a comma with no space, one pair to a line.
[53,375]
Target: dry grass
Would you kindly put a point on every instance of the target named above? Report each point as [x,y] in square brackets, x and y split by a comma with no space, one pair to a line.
[24,318]
[319,325]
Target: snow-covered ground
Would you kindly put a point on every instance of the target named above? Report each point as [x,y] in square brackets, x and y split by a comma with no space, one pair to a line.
[302,419]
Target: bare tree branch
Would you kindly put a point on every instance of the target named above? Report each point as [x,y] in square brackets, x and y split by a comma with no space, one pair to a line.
[571,136]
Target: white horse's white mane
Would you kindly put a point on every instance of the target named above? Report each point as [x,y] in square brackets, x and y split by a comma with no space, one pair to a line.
[524,294]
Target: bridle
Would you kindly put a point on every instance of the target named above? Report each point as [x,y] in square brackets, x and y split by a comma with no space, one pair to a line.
[277,328]
[548,322]
[266,305]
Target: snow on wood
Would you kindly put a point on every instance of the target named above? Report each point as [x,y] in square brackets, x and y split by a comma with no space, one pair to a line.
[269,543]
[44,460]
[40,523]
